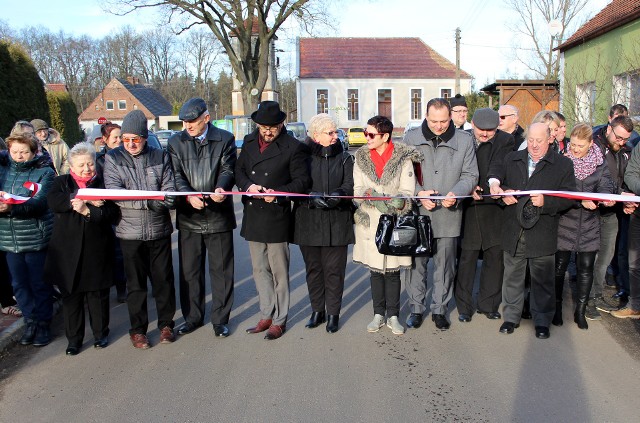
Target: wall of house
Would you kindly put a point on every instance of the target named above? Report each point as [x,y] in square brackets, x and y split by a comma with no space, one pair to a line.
[598,61]
[368,97]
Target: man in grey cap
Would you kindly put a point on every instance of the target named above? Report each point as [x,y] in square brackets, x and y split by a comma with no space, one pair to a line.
[204,159]
[482,222]
[145,227]
[50,140]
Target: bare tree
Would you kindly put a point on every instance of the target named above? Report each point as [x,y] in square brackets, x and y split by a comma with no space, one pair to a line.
[244,28]
[533,17]
[203,52]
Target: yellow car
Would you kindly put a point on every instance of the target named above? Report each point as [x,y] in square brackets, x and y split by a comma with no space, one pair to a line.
[356,137]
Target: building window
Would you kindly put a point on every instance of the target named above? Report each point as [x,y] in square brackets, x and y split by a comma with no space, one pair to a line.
[416,104]
[122,104]
[353,112]
[322,101]
[586,102]
[626,90]
[384,102]
[445,93]
[109,104]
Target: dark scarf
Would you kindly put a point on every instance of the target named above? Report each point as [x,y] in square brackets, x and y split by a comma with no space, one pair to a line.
[322,151]
[437,139]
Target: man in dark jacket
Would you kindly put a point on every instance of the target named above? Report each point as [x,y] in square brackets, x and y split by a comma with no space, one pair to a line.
[509,124]
[271,160]
[482,223]
[145,227]
[530,227]
[614,223]
[204,160]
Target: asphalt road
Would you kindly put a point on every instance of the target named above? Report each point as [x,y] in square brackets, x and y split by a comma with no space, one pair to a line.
[469,373]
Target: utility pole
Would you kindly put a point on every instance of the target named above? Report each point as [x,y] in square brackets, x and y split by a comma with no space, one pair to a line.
[457,61]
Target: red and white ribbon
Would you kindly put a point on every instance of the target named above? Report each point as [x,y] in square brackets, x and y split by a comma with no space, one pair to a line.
[7,198]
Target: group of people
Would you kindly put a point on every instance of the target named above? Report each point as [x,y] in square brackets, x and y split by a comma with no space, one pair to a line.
[526,242]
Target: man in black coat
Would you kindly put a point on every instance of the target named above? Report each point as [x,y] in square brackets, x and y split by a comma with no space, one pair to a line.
[530,227]
[271,160]
[482,223]
[509,124]
[203,159]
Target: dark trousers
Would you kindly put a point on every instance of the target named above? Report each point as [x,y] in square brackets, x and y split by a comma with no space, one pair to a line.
[542,296]
[119,277]
[634,263]
[73,312]
[219,250]
[325,276]
[149,259]
[33,294]
[584,273]
[491,273]
[385,293]
[6,291]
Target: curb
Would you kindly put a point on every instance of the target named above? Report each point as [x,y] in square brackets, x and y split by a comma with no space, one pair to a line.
[10,334]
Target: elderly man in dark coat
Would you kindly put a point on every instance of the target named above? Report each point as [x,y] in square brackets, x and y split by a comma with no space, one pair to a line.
[271,160]
[482,223]
[204,159]
[530,227]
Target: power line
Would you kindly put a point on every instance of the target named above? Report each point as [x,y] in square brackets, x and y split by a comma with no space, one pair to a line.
[499,47]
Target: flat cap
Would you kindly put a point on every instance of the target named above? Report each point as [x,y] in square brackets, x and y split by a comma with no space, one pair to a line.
[486,118]
[192,109]
[39,124]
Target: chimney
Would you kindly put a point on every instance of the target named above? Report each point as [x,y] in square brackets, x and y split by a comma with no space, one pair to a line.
[133,80]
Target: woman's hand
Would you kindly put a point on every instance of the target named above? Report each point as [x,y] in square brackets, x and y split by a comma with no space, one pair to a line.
[80,206]
[589,205]
[96,203]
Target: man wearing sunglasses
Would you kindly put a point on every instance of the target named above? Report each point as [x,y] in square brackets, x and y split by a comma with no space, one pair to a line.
[509,124]
[145,227]
[449,169]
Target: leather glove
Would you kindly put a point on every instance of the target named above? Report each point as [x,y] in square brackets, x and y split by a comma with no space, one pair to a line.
[155,205]
[333,202]
[381,205]
[397,202]
[318,201]
[169,201]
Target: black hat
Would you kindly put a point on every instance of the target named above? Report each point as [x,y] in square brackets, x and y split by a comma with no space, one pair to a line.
[458,100]
[486,118]
[135,122]
[527,213]
[192,109]
[268,113]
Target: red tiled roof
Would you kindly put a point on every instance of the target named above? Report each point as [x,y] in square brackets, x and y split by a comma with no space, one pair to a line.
[57,87]
[372,58]
[614,15]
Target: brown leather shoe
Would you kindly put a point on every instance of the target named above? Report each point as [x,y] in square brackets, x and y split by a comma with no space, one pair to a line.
[139,340]
[166,335]
[275,332]
[262,325]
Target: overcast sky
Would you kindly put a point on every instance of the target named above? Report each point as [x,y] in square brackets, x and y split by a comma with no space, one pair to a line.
[486,43]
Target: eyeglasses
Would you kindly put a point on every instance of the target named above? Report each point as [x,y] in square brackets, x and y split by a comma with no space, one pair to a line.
[503,117]
[268,128]
[618,137]
[460,111]
[135,140]
[372,135]
[331,133]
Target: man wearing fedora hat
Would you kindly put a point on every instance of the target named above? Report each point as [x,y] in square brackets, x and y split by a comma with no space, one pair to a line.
[270,160]
[481,223]
[530,227]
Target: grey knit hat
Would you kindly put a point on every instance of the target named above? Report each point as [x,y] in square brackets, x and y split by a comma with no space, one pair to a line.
[135,122]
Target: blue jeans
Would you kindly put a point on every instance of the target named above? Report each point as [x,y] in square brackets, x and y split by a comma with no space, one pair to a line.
[33,294]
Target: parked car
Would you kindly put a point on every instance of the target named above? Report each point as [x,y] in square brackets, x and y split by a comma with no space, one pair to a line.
[153,141]
[342,136]
[412,124]
[163,136]
[299,130]
[356,137]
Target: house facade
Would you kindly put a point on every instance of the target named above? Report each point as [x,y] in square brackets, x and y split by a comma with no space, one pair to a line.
[354,79]
[601,64]
[119,97]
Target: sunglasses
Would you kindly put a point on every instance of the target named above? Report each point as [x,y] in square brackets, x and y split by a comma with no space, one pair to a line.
[135,140]
[503,117]
[372,135]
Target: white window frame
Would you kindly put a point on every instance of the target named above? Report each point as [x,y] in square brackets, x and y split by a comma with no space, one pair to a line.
[113,104]
[626,90]
[357,114]
[451,94]
[420,112]
[318,103]
[586,102]
[125,104]
[392,102]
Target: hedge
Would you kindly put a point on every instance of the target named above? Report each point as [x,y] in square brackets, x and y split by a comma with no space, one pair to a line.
[64,116]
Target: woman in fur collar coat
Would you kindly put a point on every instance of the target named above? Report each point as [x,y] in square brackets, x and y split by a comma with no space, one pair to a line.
[382,168]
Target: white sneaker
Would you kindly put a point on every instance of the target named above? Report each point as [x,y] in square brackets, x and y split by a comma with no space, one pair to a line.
[376,323]
[395,326]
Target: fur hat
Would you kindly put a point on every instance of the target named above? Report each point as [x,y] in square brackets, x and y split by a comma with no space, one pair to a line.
[135,122]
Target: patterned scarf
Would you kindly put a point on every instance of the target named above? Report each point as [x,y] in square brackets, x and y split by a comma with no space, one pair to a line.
[585,166]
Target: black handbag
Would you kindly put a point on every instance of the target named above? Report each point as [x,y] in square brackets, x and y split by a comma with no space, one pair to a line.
[407,235]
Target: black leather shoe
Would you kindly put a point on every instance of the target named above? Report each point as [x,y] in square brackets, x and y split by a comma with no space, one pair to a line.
[101,343]
[440,321]
[414,321]
[332,323]
[317,318]
[221,330]
[508,327]
[492,315]
[464,318]
[542,332]
[188,327]
[71,350]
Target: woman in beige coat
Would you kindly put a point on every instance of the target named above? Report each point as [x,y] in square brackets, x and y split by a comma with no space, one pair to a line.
[382,169]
